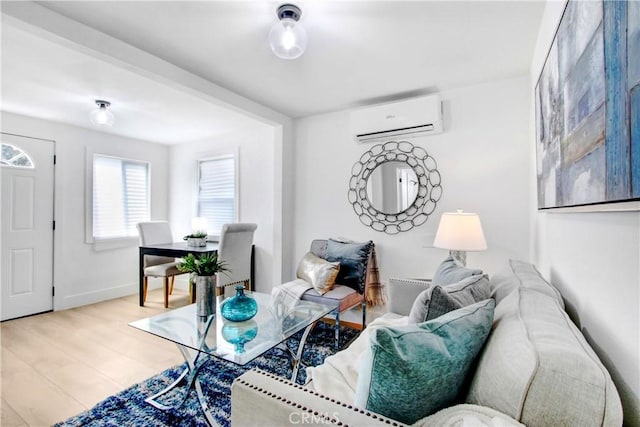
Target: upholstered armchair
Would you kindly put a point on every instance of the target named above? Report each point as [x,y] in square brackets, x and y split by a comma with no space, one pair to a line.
[353,286]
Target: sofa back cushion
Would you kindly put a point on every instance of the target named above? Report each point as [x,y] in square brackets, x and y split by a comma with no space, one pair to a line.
[528,276]
[537,367]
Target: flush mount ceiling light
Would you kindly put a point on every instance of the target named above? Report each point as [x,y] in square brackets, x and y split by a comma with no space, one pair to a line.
[288,39]
[102,116]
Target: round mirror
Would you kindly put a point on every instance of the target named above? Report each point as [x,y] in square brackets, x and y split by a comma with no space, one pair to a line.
[392,187]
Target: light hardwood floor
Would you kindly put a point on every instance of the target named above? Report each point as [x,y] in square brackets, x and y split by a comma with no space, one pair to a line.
[55,365]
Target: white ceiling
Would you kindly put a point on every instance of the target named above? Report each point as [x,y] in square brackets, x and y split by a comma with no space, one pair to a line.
[359,52]
[53,82]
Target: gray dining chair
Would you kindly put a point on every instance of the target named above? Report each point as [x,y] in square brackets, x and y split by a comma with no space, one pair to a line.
[235,247]
[153,233]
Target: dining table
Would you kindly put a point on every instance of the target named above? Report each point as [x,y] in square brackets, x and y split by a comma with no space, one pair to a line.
[174,250]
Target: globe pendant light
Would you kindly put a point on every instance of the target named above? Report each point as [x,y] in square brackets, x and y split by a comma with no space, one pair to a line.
[288,39]
[102,116]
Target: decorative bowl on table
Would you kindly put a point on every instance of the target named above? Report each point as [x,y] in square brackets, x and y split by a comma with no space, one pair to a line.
[196,239]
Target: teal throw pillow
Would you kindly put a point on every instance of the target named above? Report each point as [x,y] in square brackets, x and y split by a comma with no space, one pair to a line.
[413,371]
[438,300]
[353,258]
[451,271]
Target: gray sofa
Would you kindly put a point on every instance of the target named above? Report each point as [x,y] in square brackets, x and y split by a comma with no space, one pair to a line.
[536,368]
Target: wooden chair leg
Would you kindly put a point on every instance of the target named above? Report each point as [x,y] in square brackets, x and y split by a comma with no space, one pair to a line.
[173,279]
[145,285]
[166,291]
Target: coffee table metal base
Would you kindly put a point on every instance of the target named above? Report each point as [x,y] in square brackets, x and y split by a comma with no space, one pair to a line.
[296,359]
[194,363]
[192,381]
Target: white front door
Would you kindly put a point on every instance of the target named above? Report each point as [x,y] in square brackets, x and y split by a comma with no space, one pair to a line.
[26,266]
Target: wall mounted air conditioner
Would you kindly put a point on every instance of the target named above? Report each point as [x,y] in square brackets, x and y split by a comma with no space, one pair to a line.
[397,120]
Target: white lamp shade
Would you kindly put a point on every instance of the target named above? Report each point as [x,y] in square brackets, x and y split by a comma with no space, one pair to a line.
[288,39]
[460,231]
[199,224]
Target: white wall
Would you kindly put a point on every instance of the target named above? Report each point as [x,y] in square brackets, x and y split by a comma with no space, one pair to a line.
[594,259]
[83,275]
[90,41]
[483,158]
[256,158]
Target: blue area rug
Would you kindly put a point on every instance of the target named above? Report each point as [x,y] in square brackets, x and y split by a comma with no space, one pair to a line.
[128,407]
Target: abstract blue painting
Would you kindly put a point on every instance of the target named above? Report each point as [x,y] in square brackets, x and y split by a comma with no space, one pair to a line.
[633,59]
[587,107]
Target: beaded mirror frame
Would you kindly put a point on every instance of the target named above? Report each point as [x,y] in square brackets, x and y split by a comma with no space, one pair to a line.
[429,187]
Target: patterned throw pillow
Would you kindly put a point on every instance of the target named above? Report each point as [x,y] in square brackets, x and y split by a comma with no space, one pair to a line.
[353,258]
[451,271]
[413,371]
[320,273]
[438,300]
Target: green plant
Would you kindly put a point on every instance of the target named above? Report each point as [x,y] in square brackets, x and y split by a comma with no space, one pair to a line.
[205,265]
[196,235]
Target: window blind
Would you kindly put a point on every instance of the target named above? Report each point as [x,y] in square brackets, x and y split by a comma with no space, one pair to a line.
[120,196]
[217,192]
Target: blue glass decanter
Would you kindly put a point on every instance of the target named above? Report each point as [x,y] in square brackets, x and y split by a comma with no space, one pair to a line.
[240,307]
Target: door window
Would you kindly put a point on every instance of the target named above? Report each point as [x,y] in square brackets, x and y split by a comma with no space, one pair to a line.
[14,157]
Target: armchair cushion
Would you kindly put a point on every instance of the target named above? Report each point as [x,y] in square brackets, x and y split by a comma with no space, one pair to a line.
[451,271]
[410,372]
[340,296]
[320,273]
[438,300]
[353,258]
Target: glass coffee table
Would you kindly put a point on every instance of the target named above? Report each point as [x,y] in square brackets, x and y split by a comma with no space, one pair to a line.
[237,342]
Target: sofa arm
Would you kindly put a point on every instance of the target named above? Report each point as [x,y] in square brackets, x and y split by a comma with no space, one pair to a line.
[403,292]
[261,398]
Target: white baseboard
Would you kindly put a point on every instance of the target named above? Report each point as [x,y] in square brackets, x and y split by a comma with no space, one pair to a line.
[64,302]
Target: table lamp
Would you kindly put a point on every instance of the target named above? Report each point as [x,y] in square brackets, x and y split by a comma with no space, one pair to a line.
[460,232]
